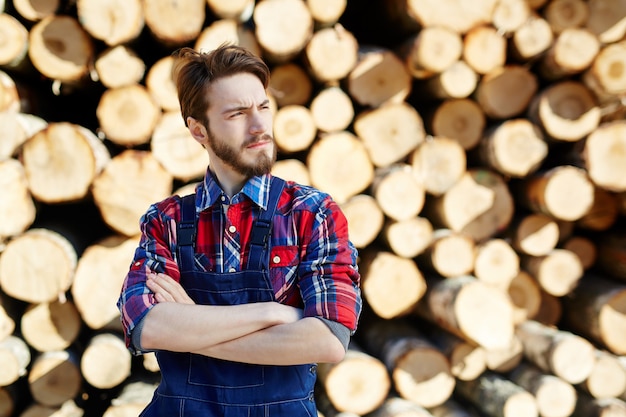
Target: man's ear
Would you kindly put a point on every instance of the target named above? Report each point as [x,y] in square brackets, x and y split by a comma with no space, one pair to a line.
[197,129]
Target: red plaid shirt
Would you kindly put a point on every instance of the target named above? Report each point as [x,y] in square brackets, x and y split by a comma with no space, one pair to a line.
[313,265]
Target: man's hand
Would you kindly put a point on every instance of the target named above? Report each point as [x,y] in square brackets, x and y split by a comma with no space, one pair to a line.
[166,289]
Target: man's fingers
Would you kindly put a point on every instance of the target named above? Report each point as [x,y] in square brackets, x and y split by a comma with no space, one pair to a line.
[167,289]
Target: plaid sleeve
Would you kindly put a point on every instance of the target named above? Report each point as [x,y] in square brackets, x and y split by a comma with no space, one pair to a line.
[329,276]
[154,254]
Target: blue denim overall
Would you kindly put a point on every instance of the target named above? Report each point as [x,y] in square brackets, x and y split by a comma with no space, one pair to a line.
[199,386]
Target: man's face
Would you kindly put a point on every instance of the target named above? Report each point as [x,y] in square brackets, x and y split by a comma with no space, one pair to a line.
[239,133]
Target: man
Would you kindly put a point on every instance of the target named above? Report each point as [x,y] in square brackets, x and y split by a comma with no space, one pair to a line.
[244,286]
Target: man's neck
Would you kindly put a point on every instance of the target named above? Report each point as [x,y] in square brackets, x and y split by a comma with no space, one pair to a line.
[230,182]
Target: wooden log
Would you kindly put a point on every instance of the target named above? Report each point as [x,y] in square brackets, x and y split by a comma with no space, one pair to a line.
[55,377]
[604,157]
[294,128]
[460,119]
[484,49]
[404,350]
[145,181]
[134,396]
[14,47]
[17,205]
[497,396]
[378,77]
[400,407]
[60,49]
[17,128]
[227,30]
[506,91]
[15,358]
[292,169]
[105,362]
[326,12]
[35,11]
[457,81]
[606,76]
[331,53]
[365,219]
[595,308]
[530,40]
[611,249]
[469,309]
[398,192]
[332,109]
[51,326]
[431,51]
[603,214]
[439,163]
[525,295]
[112,23]
[534,234]
[564,192]
[585,248]
[606,20]
[408,238]
[61,162]
[607,378]
[68,409]
[340,155]
[174,23]
[450,254]
[565,14]
[45,263]
[566,110]
[290,84]
[599,407]
[283,28]
[505,359]
[572,52]
[128,115]
[7,321]
[557,272]
[392,285]
[7,403]
[467,360]
[514,147]
[486,202]
[554,396]
[99,275]
[160,84]
[358,384]
[9,95]
[550,309]
[452,408]
[509,15]
[119,66]
[173,147]
[559,352]
[239,10]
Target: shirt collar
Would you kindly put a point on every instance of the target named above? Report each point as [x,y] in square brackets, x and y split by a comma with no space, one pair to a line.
[256,189]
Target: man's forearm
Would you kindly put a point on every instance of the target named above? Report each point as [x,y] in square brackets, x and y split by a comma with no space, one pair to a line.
[187,327]
[306,341]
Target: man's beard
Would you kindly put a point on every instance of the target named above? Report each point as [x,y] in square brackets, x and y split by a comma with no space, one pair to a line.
[231,156]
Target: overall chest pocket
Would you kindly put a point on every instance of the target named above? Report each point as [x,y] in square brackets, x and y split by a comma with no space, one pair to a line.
[283,265]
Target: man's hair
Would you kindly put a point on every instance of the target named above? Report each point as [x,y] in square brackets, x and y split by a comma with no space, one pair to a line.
[194,72]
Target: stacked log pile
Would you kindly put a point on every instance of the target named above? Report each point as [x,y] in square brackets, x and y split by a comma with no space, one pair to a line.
[477,148]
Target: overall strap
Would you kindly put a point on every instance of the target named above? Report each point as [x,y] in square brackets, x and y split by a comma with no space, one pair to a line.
[186,233]
[259,238]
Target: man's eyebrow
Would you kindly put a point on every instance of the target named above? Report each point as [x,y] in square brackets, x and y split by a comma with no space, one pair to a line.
[240,108]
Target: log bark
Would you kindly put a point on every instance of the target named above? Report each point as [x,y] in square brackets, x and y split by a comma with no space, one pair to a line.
[554,396]
[51,326]
[398,192]
[358,384]
[55,378]
[340,155]
[114,23]
[584,248]
[17,206]
[452,304]
[283,28]
[497,396]
[99,275]
[603,214]
[439,163]
[460,119]
[392,285]
[558,352]
[45,263]
[594,309]
[611,249]
[294,128]
[106,362]
[550,309]
[119,66]
[61,162]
